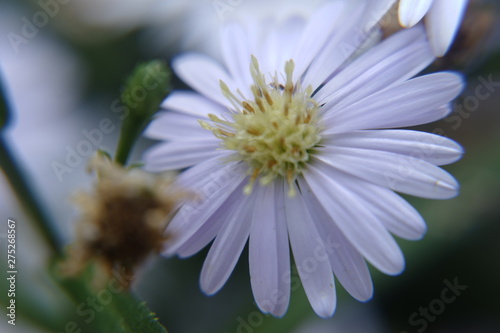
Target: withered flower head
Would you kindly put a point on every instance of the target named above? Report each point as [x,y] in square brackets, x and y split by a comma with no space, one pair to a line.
[123,219]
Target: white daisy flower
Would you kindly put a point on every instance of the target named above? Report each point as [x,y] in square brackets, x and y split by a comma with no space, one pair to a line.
[442,21]
[294,148]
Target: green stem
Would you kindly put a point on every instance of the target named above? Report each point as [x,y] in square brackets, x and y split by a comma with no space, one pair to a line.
[4,110]
[128,137]
[26,196]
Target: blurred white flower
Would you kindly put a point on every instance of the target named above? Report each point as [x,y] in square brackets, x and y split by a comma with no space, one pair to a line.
[124,15]
[42,84]
[442,21]
[187,24]
[291,111]
[204,20]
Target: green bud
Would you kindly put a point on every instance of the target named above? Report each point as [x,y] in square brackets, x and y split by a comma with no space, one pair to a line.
[144,91]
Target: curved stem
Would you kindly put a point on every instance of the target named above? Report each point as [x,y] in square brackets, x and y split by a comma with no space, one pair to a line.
[19,182]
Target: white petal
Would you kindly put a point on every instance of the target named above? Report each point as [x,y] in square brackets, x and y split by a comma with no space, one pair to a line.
[269,256]
[356,25]
[273,43]
[216,170]
[432,148]
[180,154]
[287,42]
[209,230]
[412,11]
[395,60]
[375,11]
[348,264]
[316,33]
[266,44]
[400,173]
[344,42]
[203,74]
[413,102]
[397,215]
[209,196]
[170,125]
[316,275]
[228,245]
[358,224]
[237,55]
[443,22]
[406,120]
[191,103]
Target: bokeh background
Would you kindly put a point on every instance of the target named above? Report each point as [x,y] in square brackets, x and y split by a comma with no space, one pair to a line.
[64,74]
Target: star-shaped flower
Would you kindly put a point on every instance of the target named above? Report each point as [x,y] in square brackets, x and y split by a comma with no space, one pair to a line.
[289,143]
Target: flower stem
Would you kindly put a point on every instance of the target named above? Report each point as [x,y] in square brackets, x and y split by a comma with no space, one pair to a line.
[18,181]
[128,136]
[4,110]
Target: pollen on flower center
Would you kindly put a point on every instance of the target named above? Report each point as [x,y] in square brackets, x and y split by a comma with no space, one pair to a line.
[275,132]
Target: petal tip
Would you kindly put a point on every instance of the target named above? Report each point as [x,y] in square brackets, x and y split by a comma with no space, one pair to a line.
[208,287]
[450,189]
[365,294]
[420,232]
[325,305]
[393,266]
[276,310]
[326,312]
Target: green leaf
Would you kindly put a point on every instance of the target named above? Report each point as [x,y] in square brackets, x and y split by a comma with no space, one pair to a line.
[136,316]
[105,154]
[109,307]
[145,89]
[135,165]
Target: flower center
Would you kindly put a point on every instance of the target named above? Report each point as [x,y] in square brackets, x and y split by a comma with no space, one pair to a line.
[275,132]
